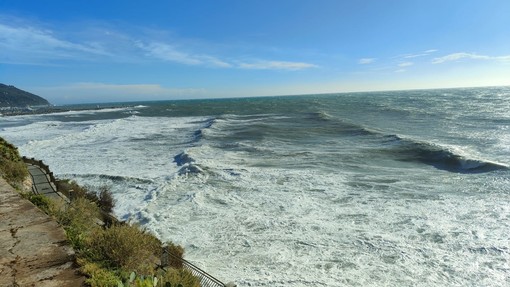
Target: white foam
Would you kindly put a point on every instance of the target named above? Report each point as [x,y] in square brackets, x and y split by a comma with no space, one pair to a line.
[259,224]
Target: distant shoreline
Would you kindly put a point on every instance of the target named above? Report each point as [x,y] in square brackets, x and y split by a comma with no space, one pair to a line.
[49,110]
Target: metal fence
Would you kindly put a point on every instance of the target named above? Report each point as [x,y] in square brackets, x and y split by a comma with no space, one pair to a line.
[206,279]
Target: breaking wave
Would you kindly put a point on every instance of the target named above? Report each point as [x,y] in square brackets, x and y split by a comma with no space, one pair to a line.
[187,164]
[438,156]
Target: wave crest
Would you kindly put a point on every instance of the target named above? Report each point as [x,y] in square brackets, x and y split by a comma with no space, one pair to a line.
[438,156]
[187,164]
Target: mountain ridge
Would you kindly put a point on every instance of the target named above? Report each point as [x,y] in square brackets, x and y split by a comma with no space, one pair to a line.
[12,97]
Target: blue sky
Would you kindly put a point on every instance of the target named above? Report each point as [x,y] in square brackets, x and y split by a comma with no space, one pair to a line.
[103,51]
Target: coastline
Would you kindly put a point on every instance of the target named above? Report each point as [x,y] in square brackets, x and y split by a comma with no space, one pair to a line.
[37,238]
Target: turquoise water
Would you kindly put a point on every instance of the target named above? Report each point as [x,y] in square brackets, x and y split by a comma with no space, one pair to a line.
[363,189]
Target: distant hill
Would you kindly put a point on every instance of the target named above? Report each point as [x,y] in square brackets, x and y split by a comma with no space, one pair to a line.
[13,97]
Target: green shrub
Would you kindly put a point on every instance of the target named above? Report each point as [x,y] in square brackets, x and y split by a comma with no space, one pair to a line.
[128,247]
[105,199]
[171,277]
[80,222]
[98,276]
[136,280]
[73,190]
[174,277]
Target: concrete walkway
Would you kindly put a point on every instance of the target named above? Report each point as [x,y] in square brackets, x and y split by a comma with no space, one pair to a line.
[33,247]
[41,183]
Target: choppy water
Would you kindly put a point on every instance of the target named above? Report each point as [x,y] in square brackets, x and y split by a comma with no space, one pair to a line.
[406,188]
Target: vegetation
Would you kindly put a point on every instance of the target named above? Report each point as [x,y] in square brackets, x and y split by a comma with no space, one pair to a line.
[109,254]
[103,198]
[12,167]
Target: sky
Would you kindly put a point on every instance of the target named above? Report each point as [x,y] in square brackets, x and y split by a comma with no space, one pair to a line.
[129,50]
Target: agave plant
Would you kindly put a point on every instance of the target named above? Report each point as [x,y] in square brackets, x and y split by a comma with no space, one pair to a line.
[139,281]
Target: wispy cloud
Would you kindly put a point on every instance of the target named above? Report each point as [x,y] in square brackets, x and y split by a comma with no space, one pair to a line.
[417,55]
[170,53]
[471,56]
[405,64]
[365,61]
[276,65]
[28,44]
[31,44]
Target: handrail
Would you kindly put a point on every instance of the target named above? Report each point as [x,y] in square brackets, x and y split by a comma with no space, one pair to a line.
[40,164]
[206,279]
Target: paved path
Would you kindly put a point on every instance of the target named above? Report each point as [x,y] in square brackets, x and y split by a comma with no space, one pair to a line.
[33,247]
[42,183]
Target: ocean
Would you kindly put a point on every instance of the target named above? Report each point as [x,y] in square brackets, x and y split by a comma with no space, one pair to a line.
[397,188]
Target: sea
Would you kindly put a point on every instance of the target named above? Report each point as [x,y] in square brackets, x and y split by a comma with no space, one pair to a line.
[394,188]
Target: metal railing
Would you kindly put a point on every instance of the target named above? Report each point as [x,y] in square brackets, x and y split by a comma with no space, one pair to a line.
[206,279]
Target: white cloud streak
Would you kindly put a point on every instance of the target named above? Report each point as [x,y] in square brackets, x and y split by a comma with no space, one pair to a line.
[31,45]
[470,56]
[276,65]
[405,64]
[365,61]
[422,54]
[170,53]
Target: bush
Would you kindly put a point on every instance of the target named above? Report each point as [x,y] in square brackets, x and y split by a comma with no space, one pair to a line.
[73,190]
[174,277]
[79,221]
[99,277]
[171,278]
[105,199]
[128,247]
